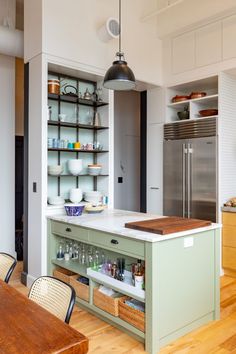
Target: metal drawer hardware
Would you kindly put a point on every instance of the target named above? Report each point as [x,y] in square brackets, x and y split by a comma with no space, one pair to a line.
[68,229]
[115,242]
[156,188]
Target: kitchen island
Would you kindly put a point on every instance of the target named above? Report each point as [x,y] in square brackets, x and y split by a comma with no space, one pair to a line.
[181,271]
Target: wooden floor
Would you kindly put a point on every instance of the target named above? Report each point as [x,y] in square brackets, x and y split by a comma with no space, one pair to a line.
[217,337]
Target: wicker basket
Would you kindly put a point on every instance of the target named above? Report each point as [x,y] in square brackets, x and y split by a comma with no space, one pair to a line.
[135,317]
[106,303]
[63,274]
[82,290]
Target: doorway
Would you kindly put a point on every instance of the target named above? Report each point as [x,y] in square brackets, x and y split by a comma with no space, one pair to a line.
[129,150]
[19,156]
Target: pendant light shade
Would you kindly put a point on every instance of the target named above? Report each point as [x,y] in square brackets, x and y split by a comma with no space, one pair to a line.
[119,77]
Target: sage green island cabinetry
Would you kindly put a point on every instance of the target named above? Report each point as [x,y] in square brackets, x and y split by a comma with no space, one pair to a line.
[182,271]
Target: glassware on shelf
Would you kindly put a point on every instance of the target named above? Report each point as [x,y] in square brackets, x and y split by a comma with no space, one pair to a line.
[99,92]
[83,255]
[60,251]
[108,267]
[67,252]
[96,258]
[75,254]
[90,258]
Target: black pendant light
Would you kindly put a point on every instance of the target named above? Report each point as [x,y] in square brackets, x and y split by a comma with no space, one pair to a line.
[119,76]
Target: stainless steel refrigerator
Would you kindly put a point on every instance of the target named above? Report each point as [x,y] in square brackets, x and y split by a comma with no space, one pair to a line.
[190,169]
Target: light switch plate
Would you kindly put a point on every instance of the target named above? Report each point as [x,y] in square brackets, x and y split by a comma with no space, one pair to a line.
[188,242]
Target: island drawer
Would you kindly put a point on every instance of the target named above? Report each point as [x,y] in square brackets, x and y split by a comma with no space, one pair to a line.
[70,231]
[117,243]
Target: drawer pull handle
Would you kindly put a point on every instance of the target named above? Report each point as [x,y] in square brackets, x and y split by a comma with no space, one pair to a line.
[68,229]
[115,242]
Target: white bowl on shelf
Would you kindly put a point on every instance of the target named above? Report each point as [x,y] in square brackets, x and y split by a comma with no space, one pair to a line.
[55,170]
[94,170]
[56,200]
[75,166]
[93,197]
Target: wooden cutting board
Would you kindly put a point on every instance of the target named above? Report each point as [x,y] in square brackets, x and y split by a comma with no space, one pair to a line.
[168,225]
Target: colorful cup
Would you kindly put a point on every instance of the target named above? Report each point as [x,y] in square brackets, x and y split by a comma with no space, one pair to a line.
[77,145]
[70,146]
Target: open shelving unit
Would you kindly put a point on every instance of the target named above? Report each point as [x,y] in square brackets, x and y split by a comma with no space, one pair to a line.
[95,279]
[210,101]
[78,125]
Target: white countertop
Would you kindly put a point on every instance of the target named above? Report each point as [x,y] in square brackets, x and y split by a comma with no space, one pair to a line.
[113,221]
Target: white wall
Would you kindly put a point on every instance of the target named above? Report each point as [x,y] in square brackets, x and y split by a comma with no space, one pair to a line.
[7,143]
[68,30]
[127,150]
[37,228]
[7,148]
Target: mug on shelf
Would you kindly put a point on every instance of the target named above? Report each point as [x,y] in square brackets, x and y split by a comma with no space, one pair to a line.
[76,195]
[77,145]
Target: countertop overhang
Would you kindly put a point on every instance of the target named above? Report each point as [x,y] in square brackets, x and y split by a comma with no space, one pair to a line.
[113,221]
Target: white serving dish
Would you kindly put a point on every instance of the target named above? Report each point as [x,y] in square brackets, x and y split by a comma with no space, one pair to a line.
[56,200]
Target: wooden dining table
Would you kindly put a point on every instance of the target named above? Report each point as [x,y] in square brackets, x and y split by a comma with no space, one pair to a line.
[27,328]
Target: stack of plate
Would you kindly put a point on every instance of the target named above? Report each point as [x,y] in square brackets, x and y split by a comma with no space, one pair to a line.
[94,170]
[55,170]
[93,197]
[56,200]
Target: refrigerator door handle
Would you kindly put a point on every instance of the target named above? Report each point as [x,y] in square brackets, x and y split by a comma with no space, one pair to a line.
[184,151]
[189,174]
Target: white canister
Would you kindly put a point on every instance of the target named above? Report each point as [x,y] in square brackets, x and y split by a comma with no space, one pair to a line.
[76,195]
[138,281]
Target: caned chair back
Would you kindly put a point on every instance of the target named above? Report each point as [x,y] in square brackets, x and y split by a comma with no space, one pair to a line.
[54,296]
[7,265]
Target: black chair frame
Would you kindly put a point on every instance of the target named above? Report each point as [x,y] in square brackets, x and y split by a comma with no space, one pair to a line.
[9,273]
[72,298]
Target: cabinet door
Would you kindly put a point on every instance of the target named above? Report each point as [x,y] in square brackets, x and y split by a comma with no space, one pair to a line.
[229,35]
[155,168]
[208,44]
[183,53]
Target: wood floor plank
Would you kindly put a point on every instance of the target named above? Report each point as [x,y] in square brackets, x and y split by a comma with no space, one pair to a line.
[218,337]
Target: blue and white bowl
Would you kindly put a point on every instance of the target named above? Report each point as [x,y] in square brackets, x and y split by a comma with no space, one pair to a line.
[74,209]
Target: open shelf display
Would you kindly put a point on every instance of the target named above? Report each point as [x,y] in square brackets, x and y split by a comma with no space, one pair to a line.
[210,101]
[74,99]
[96,278]
[117,285]
[82,175]
[94,151]
[75,125]
[72,119]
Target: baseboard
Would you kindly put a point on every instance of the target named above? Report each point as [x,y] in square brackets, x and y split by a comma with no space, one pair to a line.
[30,280]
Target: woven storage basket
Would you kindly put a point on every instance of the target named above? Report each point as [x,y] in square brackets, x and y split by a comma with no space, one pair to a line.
[82,290]
[106,303]
[63,274]
[135,317]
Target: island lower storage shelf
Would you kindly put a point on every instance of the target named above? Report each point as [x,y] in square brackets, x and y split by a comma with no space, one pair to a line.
[181,278]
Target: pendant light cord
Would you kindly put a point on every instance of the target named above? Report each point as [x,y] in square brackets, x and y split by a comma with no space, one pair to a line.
[120,26]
